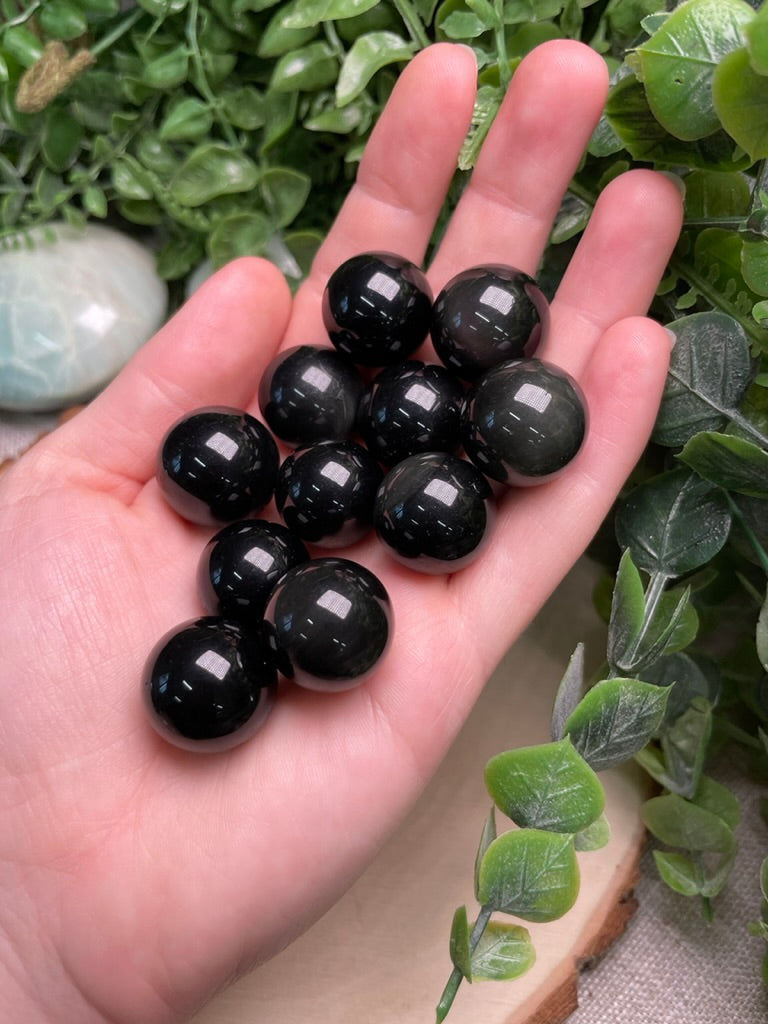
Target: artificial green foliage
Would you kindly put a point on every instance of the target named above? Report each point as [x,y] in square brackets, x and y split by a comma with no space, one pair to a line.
[216,128]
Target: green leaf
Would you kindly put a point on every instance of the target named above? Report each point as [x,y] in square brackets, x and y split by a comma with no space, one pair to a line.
[678,872]
[716,194]
[187,120]
[340,121]
[308,69]
[710,371]
[463,25]
[130,180]
[594,836]
[531,874]
[309,13]
[486,838]
[459,943]
[678,822]
[673,523]
[741,101]
[627,610]
[95,202]
[754,265]
[244,108]
[762,634]
[548,786]
[239,234]
[167,71]
[366,56]
[615,719]
[685,679]
[569,692]
[61,19]
[303,246]
[714,797]
[684,746]
[279,36]
[61,140]
[645,139]
[678,62]
[211,170]
[729,462]
[279,116]
[285,192]
[756,34]
[504,952]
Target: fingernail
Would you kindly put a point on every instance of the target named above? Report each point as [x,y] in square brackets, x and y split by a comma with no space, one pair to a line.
[672,337]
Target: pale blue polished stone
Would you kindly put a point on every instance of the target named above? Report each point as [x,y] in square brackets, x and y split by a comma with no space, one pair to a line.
[72,312]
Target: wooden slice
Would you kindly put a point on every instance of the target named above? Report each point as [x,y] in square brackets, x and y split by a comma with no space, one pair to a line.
[380,956]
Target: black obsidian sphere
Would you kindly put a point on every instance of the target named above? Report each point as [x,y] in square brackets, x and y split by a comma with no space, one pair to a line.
[434,511]
[217,465]
[525,420]
[325,492]
[411,407]
[329,621]
[210,684]
[241,564]
[310,393]
[377,308]
[486,315]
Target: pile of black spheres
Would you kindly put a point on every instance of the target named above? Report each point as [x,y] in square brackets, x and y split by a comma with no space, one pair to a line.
[378,441]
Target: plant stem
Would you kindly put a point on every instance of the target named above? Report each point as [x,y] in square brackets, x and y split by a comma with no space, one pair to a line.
[202,79]
[117,32]
[25,15]
[505,75]
[413,22]
[717,299]
[452,986]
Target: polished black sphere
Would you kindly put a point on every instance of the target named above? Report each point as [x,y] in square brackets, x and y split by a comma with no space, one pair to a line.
[486,315]
[310,393]
[525,420]
[434,512]
[377,308]
[241,564]
[329,622]
[325,492]
[217,465]
[411,407]
[210,684]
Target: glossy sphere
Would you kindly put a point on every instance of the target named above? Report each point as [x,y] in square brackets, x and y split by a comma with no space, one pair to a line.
[217,465]
[376,308]
[309,393]
[411,407]
[486,315]
[209,684]
[325,493]
[434,511]
[525,421]
[241,564]
[330,621]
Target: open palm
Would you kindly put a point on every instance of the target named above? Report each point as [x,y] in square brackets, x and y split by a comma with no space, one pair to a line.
[137,878]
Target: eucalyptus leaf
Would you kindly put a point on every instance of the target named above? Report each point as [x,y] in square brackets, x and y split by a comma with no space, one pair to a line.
[627,610]
[239,234]
[684,746]
[530,873]
[569,692]
[594,836]
[673,523]
[710,371]
[680,823]
[615,719]
[678,871]
[213,169]
[487,836]
[678,62]
[548,786]
[366,56]
[461,957]
[717,798]
[503,952]
[741,102]
[685,679]
[730,462]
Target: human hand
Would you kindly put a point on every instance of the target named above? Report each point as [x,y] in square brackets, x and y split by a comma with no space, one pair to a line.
[138,878]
